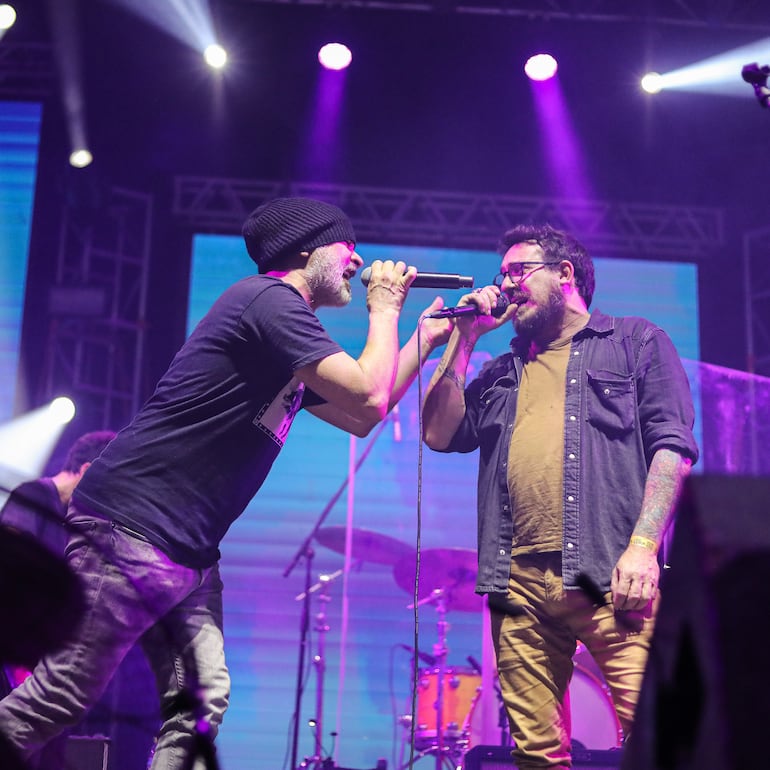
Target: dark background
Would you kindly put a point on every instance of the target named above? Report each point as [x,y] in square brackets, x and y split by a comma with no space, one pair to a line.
[434,100]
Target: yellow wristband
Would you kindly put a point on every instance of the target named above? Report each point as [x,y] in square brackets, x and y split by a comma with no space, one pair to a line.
[644,542]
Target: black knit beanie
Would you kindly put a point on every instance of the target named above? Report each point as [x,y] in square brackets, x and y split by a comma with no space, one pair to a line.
[285,226]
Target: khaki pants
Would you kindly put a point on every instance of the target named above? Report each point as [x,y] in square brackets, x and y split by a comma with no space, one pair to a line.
[535,629]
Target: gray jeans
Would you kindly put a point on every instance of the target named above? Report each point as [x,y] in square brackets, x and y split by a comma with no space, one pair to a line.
[132,591]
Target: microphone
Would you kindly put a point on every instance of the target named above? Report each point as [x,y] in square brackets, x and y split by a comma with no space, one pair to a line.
[452,312]
[423,656]
[475,665]
[431,280]
[396,417]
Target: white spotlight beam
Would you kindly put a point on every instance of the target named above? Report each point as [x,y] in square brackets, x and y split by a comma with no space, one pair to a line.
[27,442]
[719,74]
[189,21]
[67,48]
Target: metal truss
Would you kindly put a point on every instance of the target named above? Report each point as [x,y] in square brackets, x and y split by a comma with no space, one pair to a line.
[723,14]
[26,70]
[464,220]
[97,308]
[756,261]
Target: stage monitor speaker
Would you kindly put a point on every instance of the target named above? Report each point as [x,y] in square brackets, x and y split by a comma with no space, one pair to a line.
[703,703]
[382,764]
[499,758]
[86,753]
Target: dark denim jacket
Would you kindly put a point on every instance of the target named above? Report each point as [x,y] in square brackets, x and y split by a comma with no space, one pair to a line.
[627,396]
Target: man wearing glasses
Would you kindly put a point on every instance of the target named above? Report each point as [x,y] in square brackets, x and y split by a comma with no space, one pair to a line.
[585,437]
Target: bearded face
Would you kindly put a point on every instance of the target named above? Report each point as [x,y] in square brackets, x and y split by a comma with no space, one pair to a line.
[327,275]
[540,318]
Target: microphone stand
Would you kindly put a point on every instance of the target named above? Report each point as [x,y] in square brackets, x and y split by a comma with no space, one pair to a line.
[305,550]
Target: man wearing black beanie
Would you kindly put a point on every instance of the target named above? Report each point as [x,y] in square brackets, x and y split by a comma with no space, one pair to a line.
[149,513]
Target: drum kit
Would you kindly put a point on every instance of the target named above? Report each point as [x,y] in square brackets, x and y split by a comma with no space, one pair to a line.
[446,697]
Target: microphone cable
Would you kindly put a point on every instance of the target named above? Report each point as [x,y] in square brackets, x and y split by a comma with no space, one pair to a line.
[418,551]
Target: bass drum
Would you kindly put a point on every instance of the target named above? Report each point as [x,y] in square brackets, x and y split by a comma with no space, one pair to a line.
[461,690]
[594,722]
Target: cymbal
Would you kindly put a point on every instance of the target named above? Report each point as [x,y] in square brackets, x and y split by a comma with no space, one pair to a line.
[449,573]
[366,545]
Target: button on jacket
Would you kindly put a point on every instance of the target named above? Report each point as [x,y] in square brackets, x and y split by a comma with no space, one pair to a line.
[627,396]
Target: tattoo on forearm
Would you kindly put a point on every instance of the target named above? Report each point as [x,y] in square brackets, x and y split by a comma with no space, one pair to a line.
[452,375]
[448,366]
[664,482]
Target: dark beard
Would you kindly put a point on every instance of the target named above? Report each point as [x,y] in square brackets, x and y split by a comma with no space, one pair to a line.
[545,323]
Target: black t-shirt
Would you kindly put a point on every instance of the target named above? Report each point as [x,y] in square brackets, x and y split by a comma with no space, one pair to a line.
[201,447]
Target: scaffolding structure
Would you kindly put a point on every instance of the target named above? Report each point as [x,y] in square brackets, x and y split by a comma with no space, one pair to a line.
[463,220]
[26,70]
[97,308]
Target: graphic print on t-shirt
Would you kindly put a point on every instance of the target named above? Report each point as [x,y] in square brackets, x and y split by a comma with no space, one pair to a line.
[275,418]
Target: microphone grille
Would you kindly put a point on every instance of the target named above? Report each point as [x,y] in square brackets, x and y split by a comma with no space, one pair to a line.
[501,305]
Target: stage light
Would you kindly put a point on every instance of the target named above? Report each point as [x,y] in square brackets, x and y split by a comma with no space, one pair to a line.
[652,82]
[541,66]
[61,410]
[757,76]
[720,74]
[81,158]
[335,56]
[7,16]
[215,56]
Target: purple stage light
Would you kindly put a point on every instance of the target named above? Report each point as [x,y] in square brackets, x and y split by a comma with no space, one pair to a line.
[335,56]
[541,66]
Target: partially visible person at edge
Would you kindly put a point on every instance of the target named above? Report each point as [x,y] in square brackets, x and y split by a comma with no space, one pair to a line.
[149,514]
[585,437]
[38,507]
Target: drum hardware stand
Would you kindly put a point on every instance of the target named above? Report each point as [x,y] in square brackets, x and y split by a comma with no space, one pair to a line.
[440,652]
[502,718]
[446,756]
[502,714]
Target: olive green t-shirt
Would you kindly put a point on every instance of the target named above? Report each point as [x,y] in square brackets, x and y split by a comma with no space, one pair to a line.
[536,453]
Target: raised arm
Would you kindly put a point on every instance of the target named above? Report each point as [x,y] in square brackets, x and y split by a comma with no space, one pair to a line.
[444,403]
[362,387]
[434,333]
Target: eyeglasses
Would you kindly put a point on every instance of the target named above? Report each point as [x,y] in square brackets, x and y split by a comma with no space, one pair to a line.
[516,272]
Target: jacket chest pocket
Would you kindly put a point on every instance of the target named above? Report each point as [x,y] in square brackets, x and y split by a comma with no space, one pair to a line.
[611,401]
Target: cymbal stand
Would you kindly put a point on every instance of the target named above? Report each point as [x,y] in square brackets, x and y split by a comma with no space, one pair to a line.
[444,755]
